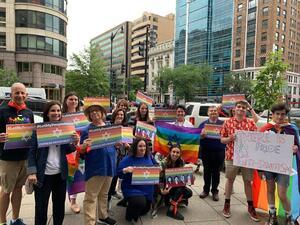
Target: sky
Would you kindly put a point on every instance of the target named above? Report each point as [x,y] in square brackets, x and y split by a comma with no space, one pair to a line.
[89,18]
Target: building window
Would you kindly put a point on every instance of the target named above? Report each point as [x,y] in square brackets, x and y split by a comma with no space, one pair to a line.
[283,26]
[237,53]
[284,2]
[24,67]
[264,36]
[240,7]
[262,61]
[283,38]
[294,91]
[278,11]
[293,23]
[2,40]
[277,36]
[237,65]
[283,49]
[294,12]
[252,4]
[292,34]
[238,30]
[265,11]
[291,56]
[60,5]
[278,24]
[252,16]
[263,49]
[239,20]
[295,79]
[265,24]
[284,13]
[238,42]
[276,48]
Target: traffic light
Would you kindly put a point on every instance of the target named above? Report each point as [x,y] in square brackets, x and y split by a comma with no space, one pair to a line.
[123,68]
[141,49]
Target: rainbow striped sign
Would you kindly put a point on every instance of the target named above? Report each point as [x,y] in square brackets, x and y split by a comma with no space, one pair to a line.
[19,135]
[228,101]
[145,175]
[102,101]
[145,130]
[165,114]
[78,118]
[54,133]
[177,177]
[103,137]
[213,131]
[140,97]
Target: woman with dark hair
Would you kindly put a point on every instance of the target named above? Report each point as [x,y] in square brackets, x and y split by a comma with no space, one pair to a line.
[71,105]
[100,168]
[139,197]
[48,171]
[118,118]
[174,195]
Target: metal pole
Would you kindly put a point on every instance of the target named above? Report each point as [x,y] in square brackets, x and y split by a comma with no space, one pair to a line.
[146,59]
[186,30]
[110,74]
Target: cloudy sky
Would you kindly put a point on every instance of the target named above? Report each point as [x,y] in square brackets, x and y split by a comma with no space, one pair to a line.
[89,18]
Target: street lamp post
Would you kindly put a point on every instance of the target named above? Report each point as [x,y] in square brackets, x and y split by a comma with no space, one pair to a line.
[112,37]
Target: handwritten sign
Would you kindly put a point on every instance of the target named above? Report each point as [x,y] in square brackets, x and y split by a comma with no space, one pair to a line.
[78,118]
[212,131]
[145,175]
[102,101]
[264,151]
[165,114]
[19,135]
[177,177]
[57,133]
[145,130]
[228,101]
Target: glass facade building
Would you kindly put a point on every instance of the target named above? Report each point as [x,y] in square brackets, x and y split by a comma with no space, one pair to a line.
[209,37]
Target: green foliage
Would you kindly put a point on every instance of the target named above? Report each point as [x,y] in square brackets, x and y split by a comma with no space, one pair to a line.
[237,83]
[188,80]
[88,76]
[136,84]
[270,82]
[8,77]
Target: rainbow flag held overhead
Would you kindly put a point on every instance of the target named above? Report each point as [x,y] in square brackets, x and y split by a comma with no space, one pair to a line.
[19,135]
[78,118]
[145,130]
[140,97]
[76,179]
[165,114]
[212,131]
[176,177]
[54,133]
[187,138]
[102,101]
[228,101]
[145,175]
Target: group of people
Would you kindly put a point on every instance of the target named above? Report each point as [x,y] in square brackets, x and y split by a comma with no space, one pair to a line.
[47,168]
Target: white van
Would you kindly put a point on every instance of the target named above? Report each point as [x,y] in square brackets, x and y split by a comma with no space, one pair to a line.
[196,112]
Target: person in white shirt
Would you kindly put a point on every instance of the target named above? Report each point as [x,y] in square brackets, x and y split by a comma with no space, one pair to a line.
[180,120]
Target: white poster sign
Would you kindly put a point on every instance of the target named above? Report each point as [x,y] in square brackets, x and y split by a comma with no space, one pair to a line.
[264,151]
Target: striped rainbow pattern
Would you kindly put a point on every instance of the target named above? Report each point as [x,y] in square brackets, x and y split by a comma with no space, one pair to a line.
[19,135]
[127,135]
[76,179]
[260,194]
[102,101]
[78,118]
[103,137]
[55,133]
[165,114]
[145,175]
[228,101]
[212,131]
[188,138]
[140,97]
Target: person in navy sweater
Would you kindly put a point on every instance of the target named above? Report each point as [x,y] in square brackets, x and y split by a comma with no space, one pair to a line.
[48,171]
[212,153]
[139,197]
[100,168]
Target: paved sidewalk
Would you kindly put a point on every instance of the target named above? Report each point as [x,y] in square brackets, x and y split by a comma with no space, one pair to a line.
[199,211]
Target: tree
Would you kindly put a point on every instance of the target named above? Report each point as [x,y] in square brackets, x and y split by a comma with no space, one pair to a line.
[270,82]
[237,83]
[136,83]
[8,77]
[188,80]
[88,76]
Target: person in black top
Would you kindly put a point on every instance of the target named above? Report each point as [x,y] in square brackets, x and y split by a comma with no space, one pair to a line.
[13,162]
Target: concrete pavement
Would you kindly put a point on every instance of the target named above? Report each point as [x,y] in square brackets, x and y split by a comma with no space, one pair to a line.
[199,212]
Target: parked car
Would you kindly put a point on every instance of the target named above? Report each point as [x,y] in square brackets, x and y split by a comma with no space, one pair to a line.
[36,105]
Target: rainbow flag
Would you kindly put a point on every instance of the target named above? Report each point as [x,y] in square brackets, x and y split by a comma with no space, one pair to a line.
[102,101]
[127,135]
[54,133]
[213,131]
[177,177]
[103,137]
[187,138]
[165,114]
[19,135]
[140,97]
[145,175]
[228,101]
[78,118]
[145,130]
[76,179]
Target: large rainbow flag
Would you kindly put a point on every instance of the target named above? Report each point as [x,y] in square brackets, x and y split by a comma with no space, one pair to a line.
[187,138]
[76,181]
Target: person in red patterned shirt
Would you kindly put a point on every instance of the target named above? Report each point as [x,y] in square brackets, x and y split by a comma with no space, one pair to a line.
[237,122]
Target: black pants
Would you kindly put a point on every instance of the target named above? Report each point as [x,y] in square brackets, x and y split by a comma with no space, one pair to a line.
[112,189]
[137,206]
[212,165]
[176,192]
[55,185]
